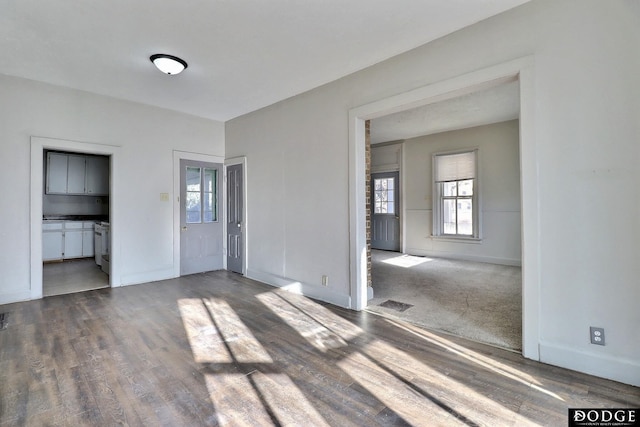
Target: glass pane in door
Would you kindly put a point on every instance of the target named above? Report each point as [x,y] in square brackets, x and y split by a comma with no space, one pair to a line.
[193,203]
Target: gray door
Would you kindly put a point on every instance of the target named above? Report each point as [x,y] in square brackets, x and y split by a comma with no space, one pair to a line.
[200,223]
[385,211]
[235,212]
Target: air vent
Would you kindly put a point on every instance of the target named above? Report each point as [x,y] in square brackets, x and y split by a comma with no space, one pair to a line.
[395,305]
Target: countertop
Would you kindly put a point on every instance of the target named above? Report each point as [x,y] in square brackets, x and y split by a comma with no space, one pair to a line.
[75,218]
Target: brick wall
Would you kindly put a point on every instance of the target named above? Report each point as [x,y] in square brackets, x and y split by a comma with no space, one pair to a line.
[367,172]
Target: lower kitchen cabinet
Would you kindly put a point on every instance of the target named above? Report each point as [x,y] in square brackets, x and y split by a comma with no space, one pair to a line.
[72,244]
[52,246]
[67,239]
[88,249]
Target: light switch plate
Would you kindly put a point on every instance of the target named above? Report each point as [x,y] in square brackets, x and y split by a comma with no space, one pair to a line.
[164,197]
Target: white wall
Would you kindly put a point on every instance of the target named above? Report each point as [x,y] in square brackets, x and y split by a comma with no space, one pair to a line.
[586,136]
[499,184]
[146,136]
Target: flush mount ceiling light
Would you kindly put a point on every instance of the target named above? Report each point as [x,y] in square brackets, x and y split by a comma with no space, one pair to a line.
[168,64]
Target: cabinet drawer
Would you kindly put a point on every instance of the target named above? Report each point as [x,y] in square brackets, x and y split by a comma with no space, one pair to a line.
[88,224]
[73,225]
[48,225]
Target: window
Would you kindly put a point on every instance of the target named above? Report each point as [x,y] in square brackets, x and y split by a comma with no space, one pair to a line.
[456,195]
[383,191]
[201,195]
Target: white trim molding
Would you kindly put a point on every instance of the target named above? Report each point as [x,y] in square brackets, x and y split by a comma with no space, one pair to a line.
[300,288]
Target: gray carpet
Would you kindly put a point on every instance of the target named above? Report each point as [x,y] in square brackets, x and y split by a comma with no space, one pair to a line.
[479,301]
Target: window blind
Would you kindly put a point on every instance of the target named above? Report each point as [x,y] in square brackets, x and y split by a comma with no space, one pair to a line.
[454,167]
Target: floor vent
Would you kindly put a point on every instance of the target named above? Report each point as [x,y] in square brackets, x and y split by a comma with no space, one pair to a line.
[3,321]
[395,305]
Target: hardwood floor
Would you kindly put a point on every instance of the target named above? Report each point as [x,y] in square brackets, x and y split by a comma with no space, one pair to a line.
[219,349]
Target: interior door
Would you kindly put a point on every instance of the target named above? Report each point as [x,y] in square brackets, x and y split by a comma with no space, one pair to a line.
[385,211]
[201,229]
[235,216]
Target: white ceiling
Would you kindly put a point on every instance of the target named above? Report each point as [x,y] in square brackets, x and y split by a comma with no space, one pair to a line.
[493,105]
[242,54]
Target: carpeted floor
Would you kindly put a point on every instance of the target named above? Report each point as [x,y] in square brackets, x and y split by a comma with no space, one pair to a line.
[479,301]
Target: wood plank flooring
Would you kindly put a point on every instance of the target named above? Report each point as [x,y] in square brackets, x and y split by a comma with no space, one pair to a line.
[218,349]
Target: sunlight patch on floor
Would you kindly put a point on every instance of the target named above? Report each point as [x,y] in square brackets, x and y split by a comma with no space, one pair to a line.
[428,386]
[406,261]
[479,359]
[217,335]
[236,401]
[286,401]
[321,328]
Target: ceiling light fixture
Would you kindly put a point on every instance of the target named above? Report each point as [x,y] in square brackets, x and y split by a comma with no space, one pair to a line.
[168,64]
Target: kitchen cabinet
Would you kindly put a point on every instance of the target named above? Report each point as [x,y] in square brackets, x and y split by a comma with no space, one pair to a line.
[76,174]
[88,249]
[67,239]
[57,173]
[72,244]
[97,175]
[52,241]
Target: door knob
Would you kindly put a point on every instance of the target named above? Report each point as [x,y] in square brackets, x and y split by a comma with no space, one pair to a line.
[184,228]
[239,225]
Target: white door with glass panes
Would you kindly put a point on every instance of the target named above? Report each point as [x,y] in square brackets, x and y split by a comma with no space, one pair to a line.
[385,211]
[201,228]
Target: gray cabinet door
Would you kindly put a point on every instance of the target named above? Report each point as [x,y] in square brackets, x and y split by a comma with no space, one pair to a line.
[52,245]
[97,178]
[72,244]
[235,216]
[76,175]
[385,211]
[57,173]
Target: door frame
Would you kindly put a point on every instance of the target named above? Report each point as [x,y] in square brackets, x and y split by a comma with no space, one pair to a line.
[199,157]
[38,145]
[522,70]
[241,160]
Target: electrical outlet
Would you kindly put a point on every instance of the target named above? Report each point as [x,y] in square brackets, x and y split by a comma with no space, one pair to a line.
[325,280]
[597,335]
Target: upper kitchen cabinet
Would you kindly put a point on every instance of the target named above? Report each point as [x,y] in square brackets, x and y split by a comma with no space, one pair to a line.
[76,174]
[97,175]
[57,165]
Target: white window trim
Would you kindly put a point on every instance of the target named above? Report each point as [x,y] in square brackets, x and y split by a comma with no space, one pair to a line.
[437,230]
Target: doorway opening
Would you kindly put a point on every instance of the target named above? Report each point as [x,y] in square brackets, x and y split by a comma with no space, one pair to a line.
[75,222]
[519,70]
[73,187]
[459,269]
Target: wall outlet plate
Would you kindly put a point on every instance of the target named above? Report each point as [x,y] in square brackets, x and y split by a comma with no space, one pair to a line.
[597,335]
[325,280]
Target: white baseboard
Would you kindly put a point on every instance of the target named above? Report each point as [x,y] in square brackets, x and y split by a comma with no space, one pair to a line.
[15,297]
[465,257]
[295,286]
[147,276]
[601,365]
